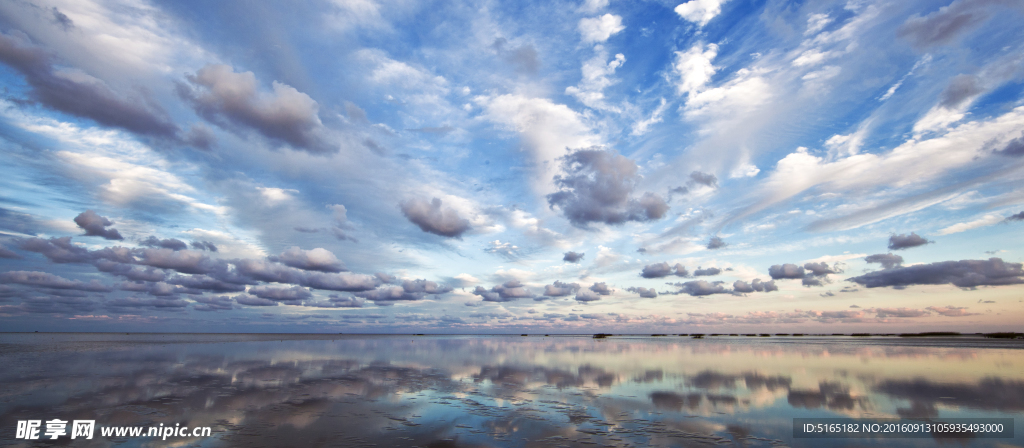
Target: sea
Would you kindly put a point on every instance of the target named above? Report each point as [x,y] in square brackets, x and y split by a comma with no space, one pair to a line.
[536,390]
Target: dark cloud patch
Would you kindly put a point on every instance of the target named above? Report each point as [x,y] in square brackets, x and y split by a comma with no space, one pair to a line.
[943,26]
[170,243]
[963,273]
[706,179]
[318,259]
[62,20]
[276,273]
[587,295]
[47,280]
[888,261]
[959,90]
[701,288]
[1015,148]
[131,272]
[821,269]
[704,272]
[153,288]
[601,288]
[506,292]
[757,285]
[647,293]
[96,225]
[573,257]
[902,241]
[248,300]
[7,253]
[410,290]
[716,243]
[786,271]
[1017,217]
[18,222]
[79,94]
[57,305]
[560,289]
[233,101]
[663,269]
[812,281]
[216,303]
[596,186]
[205,283]
[133,304]
[431,217]
[292,294]
[204,245]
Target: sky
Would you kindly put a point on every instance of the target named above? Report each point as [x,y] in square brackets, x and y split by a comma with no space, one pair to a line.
[387,166]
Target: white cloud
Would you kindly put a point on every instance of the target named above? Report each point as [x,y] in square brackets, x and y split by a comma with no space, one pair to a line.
[694,68]
[596,76]
[987,220]
[599,29]
[700,11]
[547,130]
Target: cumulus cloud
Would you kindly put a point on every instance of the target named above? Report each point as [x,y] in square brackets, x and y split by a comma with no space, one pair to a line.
[706,179]
[963,273]
[248,300]
[281,294]
[7,253]
[599,29]
[701,288]
[1017,217]
[647,293]
[597,185]
[77,93]
[233,100]
[47,280]
[694,68]
[431,217]
[170,243]
[587,295]
[601,288]
[663,269]
[560,289]
[768,286]
[821,269]
[573,257]
[703,272]
[888,261]
[318,259]
[716,243]
[506,292]
[96,225]
[902,241]
[700,12]
[786,271]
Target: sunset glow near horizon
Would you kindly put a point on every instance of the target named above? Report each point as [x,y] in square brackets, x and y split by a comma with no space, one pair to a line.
[369,166]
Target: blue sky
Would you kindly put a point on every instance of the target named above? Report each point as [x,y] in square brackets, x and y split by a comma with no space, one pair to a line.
[376,166]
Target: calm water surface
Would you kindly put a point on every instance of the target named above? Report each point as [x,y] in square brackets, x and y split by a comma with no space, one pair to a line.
[503,391]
